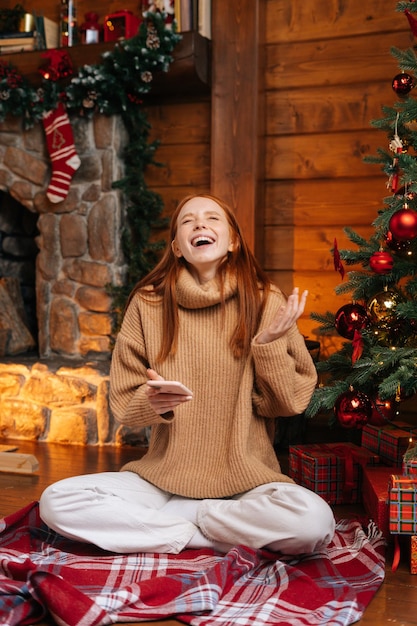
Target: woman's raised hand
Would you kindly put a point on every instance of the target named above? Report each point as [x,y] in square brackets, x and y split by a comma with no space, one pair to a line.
[285,317]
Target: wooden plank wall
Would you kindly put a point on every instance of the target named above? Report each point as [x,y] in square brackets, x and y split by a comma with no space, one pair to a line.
[183,128]
[328,72]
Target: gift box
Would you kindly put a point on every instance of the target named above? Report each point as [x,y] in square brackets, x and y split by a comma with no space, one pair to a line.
[389,442]
[332,470]
[410,459]
[375,486]
[403,504]
[410,467]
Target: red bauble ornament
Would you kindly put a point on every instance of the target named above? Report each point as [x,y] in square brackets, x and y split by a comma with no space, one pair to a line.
[350,317]
[353,409]
[383,411]
[402,84]
[403,224]
[381,262]
[401,248]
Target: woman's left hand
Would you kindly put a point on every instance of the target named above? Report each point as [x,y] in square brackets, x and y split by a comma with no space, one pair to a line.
[285,317]
[162,402]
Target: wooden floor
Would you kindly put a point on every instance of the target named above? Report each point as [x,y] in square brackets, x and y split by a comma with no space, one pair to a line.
[395,602]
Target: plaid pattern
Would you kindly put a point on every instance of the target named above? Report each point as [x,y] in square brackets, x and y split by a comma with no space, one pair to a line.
[333,470]
[403,505]
[389,442]
[410,467]
[42,575]
[375,496]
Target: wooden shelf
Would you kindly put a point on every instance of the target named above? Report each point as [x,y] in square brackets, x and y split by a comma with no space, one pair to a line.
[189,72]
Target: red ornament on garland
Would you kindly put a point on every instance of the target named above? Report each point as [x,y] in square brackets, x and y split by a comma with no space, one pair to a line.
[58,65]
[353,409]
[350,317]
[381,262]
[403,224]
[402,84]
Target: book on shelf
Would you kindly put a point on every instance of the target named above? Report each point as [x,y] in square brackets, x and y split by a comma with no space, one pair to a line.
[47,32]
[184,15]
[204,18]
[16,35]
[45,36]
[17,42]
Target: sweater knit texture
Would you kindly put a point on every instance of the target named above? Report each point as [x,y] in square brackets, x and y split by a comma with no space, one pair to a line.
[219,443]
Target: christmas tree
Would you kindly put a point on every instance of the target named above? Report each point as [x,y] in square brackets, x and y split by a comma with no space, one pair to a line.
[376,368]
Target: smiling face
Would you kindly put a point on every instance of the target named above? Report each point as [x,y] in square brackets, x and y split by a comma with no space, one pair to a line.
[203,237]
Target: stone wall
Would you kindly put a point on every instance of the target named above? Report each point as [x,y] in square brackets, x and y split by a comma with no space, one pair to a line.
[79,238]
[61,394]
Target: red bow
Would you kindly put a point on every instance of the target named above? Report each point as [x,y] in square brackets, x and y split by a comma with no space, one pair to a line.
[338,265]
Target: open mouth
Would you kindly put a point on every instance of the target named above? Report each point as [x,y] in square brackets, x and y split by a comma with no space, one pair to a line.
[202,240]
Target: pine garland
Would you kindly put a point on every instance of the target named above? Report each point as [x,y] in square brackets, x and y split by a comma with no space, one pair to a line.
[115,86]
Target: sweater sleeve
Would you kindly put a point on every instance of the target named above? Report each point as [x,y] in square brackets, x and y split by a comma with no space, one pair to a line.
[285,374]
[128,377]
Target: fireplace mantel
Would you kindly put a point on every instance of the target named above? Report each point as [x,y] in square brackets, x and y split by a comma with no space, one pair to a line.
[189,72]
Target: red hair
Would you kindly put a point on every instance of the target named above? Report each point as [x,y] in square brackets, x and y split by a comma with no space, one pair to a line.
[252,284]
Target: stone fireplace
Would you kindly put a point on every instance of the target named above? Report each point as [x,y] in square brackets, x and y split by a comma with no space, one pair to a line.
[58,391]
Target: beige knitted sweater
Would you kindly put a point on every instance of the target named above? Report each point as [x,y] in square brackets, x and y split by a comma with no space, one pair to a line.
[217,444]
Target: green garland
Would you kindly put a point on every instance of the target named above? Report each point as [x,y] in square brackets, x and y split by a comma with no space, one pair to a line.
[115,86]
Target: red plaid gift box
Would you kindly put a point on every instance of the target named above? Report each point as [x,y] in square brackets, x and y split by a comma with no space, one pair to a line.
[332,470]
[389,442]
[403,505]
[376,481]
[410,467]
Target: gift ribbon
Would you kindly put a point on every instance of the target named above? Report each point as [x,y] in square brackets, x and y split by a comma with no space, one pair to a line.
[396,557]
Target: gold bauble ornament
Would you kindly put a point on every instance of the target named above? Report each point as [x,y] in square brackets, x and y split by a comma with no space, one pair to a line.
[381,307]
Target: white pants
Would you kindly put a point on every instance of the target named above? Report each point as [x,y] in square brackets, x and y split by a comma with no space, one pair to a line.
[122,512]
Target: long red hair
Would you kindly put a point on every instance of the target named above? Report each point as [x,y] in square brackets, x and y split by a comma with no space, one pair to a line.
[252,285]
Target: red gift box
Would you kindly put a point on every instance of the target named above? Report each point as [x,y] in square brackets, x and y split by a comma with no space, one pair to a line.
[332,470]
[375,496]
[410,467]
[389,442]
[403,504]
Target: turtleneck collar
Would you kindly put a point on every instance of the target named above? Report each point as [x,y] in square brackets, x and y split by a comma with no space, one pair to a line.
[192,295]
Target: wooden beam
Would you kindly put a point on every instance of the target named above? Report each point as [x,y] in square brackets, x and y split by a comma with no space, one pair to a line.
[237,116]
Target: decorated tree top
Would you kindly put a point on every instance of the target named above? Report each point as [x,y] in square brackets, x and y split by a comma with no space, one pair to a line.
[376,368]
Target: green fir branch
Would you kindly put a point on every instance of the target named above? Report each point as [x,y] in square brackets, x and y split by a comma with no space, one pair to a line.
[326,321]
[407,60]
[402,6]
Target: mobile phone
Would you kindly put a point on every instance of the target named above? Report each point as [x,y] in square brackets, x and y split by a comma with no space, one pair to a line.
[170,386]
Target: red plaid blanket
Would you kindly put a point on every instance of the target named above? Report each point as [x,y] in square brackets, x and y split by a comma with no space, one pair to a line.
[42,574]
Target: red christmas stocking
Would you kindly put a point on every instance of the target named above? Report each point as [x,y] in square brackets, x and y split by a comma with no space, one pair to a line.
[61,149]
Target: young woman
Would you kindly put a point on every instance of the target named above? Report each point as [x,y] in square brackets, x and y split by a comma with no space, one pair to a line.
[208,317]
